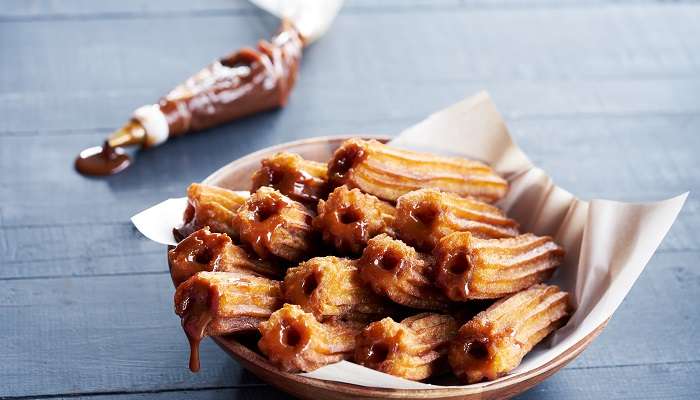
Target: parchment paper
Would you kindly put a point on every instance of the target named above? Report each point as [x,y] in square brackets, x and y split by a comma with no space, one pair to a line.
[608,243]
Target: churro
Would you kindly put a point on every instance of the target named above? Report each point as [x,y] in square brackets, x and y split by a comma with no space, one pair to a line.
[299,179]
[295,341]
[210,206]
[414,349]
[275,226]
[395,270]
[388,172]
[471,268]
[349,218]
[425,216]
[496,340]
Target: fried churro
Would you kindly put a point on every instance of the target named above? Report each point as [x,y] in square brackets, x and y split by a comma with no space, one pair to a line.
[210,206]
[387,172]
[294,340]
[299,179]
[275,226]
[331,288]
[349,218]
[395,270]
[471,268]
[496,340]
[219,303]
[425,216]
[214,252]
[414,349]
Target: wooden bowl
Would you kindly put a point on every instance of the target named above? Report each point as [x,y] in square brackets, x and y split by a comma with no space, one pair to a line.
[236,175]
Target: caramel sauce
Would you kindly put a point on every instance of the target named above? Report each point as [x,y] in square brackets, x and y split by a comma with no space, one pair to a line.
[201,251]
[455,275]
[389,261]
[343,161]
[297,184]
[377,353]
[291,338]
[264,223]
[102,160]
[351,222]
[476,351]
[194,322]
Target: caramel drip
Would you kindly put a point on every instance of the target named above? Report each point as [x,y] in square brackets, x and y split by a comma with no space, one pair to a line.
[102,160]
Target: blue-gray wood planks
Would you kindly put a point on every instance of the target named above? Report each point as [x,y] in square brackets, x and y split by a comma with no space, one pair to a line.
[603,95]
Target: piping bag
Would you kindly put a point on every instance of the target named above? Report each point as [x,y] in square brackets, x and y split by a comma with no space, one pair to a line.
[242,83]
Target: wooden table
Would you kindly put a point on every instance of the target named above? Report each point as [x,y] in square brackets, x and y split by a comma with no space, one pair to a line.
[605,96]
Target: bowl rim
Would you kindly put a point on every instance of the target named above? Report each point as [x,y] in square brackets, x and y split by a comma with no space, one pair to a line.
[244,354]
[262,368]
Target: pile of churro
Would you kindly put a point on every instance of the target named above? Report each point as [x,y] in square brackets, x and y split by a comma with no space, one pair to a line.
[396,260]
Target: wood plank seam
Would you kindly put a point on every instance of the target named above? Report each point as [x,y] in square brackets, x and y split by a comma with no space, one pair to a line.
[348,9]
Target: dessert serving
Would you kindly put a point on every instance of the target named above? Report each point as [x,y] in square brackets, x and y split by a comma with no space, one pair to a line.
[395,260]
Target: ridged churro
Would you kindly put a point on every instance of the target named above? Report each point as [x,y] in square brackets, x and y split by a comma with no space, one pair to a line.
[294,340]
[299,179]
[496,340]
[349,218]
[414,349]
[331,288]
[275,226]
[425,216]
[210,206]
[388,172]
[394,269]
[219,303]
[214,252]
[471,268]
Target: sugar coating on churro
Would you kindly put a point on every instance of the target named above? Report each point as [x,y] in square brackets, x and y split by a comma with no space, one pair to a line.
[388,172]
[349,218]
[395,270]
[331,288]
[471,268]
[299,179]
[214,252]
[275,226]
[495,341]
[414,349]
[220,303]
[425,216]
[294,340]
[210,206]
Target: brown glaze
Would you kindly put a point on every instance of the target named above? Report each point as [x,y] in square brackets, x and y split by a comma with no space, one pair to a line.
[299,179]
[243,83]
[467,267]
[275,227]
[495,341]
[349,218]
[345,158]
[207,251]
[221,303]
[210,206]
[395,270]
[102,160]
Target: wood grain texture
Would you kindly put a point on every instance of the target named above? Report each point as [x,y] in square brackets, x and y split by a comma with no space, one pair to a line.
[604,95]
[120,333]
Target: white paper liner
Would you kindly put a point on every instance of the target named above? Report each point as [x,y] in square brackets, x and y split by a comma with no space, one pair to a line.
[608,243]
